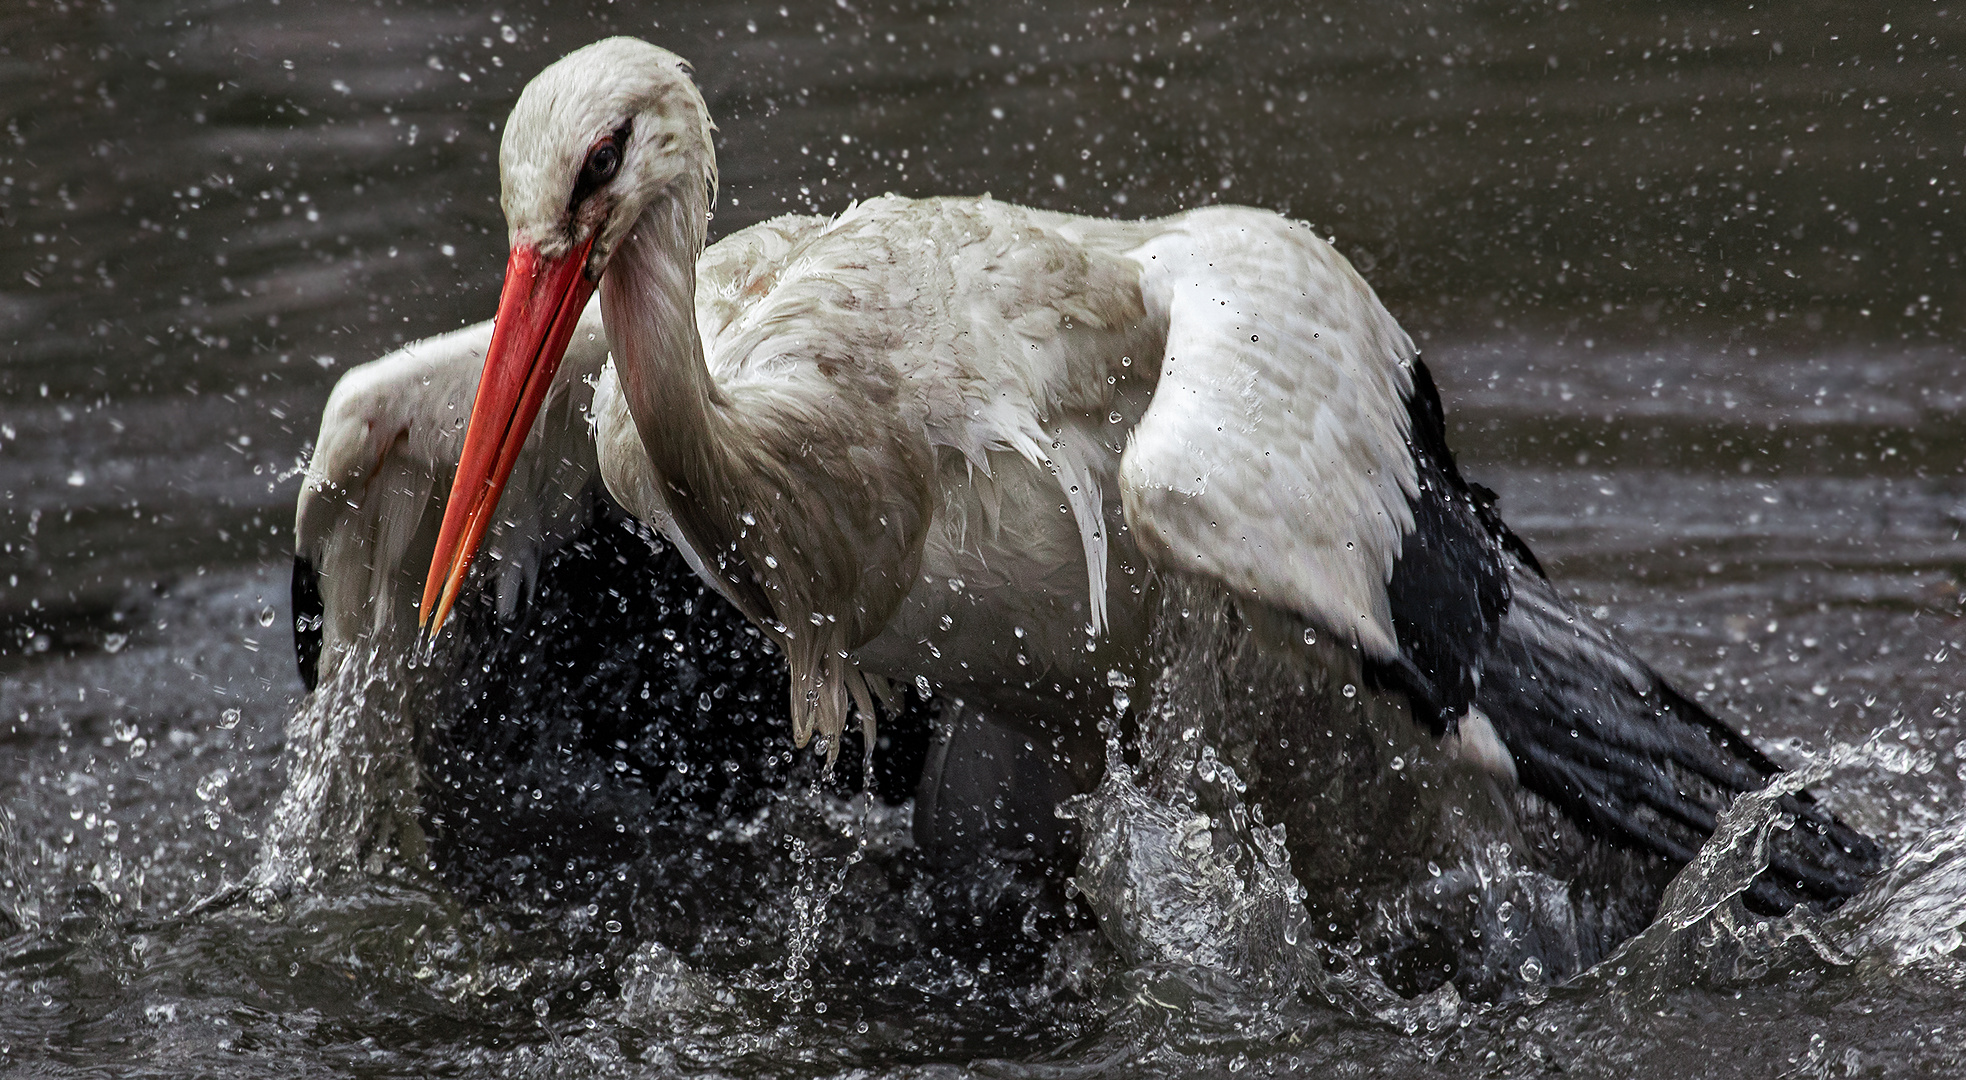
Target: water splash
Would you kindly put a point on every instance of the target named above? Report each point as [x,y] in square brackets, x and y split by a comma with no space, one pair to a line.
[815,827]
[1265,825]
[1704,932]
[658,987]
[1179,870]
[815,889]
[350,801]
[1178,886]
[1911,917]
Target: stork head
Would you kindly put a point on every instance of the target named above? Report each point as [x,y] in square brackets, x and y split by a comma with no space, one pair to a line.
[597,140]
[594,140]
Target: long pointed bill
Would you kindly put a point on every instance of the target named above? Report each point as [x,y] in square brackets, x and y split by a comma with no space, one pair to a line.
[537,311]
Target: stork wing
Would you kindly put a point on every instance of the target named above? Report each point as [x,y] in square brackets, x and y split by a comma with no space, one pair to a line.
[1295,451]
[372,499]
[1274,457]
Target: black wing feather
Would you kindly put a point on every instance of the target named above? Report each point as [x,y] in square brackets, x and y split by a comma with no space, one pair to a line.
[1449,588]
[1591,727]
[1601,735]
[307,612]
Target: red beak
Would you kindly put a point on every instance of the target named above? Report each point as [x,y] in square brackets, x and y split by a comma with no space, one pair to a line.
[537,311]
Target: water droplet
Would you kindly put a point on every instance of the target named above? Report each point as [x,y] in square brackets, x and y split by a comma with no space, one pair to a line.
[1114,417]
[1350,690]
[1398,764]
[267,615]
[507,34]
[1310,636]
[114,643]
[76,479]
[613,926]
[228,719]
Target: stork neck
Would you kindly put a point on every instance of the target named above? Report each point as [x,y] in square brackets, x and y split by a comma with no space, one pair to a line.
[648,300]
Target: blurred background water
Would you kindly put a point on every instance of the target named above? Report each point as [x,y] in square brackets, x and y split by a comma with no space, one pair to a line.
[1688,276]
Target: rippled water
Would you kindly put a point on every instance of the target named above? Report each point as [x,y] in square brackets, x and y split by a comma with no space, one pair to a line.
[1688,279]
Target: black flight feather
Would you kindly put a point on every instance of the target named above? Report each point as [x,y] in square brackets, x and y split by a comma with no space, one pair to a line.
[1590,726]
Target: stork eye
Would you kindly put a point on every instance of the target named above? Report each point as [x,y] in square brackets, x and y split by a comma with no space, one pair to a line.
[603,161]
[602,164]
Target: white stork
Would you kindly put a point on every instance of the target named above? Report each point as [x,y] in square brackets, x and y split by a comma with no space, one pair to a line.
[956,442]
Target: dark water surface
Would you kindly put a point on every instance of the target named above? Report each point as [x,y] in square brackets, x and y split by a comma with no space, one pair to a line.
[1688,277]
